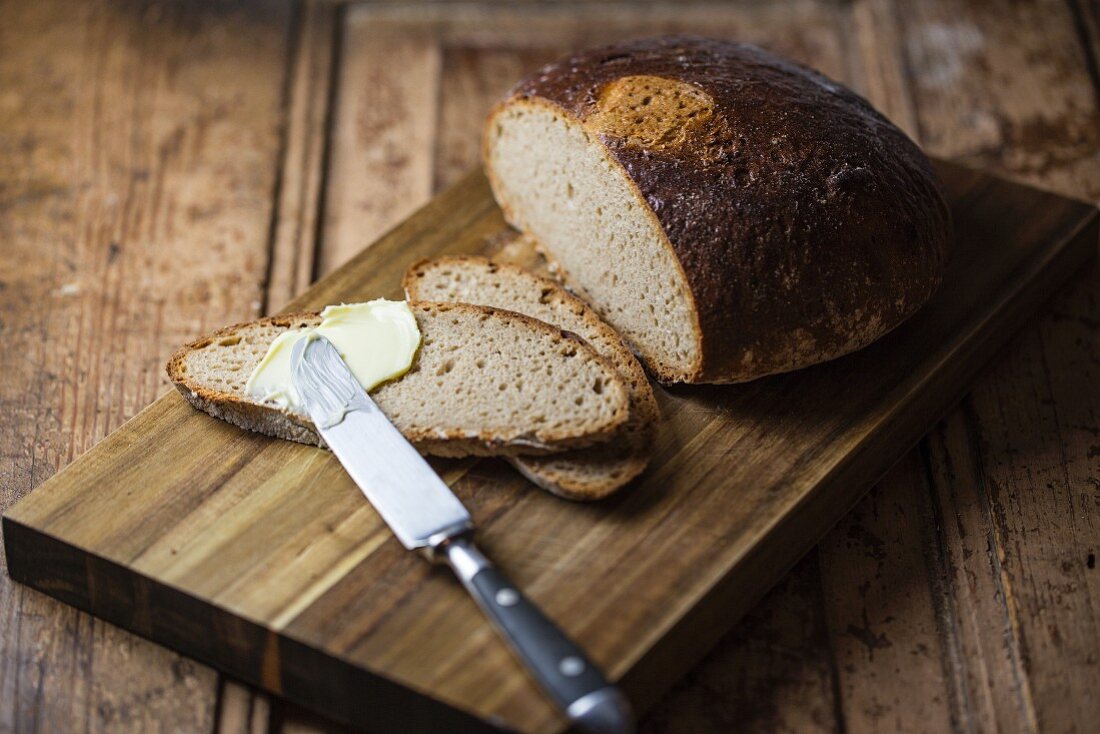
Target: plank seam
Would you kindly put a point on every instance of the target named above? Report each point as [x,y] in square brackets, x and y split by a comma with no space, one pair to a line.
[275,715]
[830,645]
[996,540]
[906,70]
[437,120]
[1081,27]
[944,600]
[219,704]
[332,99]
[293,49]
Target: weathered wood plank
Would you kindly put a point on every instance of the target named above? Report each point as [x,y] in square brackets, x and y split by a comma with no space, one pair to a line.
[384,125]
[1005,86]
[809,27]
[242,710]
[991,684]
[875,69]
[1016,486]
[880,599]
[134,209]
[1036,421]
[473,80]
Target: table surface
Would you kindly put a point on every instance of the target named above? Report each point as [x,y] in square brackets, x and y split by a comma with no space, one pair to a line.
[168,167]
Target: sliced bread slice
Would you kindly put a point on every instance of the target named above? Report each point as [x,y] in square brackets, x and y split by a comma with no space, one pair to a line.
[485,382]
[588,473]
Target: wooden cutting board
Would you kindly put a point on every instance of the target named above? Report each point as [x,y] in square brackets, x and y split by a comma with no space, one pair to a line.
[261,557]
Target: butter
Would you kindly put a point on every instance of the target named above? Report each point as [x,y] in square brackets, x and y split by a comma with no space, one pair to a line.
[378,341]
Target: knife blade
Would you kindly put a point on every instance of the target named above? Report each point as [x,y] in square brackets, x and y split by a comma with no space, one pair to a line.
[425,514]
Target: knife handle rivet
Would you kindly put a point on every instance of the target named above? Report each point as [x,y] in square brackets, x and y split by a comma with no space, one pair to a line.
[507,597]
[571,666]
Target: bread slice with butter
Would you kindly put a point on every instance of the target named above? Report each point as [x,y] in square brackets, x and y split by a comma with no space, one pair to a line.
[484,382]
[588,473]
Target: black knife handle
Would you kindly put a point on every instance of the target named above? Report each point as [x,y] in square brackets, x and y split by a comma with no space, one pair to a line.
[556,663]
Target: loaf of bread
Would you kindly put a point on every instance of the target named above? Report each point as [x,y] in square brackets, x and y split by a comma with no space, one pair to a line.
[730,213]
[584,474]
[484,382]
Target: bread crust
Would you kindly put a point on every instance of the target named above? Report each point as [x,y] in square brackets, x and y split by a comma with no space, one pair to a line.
[274,421]
[806,224]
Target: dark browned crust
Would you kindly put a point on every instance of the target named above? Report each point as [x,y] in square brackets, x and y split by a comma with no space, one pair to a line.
[806,223]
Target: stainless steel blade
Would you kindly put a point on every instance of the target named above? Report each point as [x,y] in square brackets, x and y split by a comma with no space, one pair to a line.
[410,497]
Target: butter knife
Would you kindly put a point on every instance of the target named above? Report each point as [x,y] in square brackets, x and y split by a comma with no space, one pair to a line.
[424,514]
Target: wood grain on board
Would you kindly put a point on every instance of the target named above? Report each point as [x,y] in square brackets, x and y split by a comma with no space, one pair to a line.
[261,557]
[1005,85]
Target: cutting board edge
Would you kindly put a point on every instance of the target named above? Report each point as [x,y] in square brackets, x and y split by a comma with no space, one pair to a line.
[24,543]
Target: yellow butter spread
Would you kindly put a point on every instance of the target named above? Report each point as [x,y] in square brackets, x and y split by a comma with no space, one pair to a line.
[378,341]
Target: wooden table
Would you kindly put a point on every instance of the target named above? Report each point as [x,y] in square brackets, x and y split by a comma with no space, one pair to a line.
[167,167]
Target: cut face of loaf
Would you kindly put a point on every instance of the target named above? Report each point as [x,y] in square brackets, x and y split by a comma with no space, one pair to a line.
[730,213]
[589,473]
[484,382]
[556,182]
